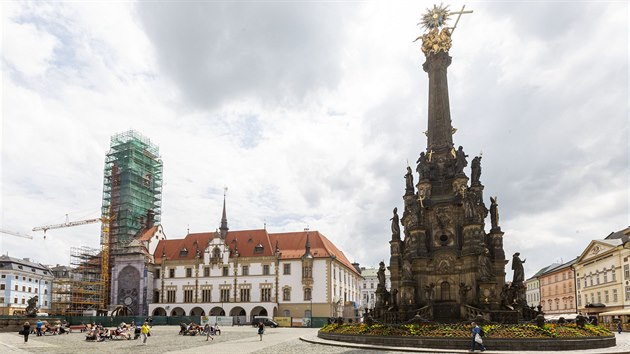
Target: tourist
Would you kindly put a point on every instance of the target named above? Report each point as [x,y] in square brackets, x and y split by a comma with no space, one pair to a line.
[26,331]
[207,329]
[476,337]
[146,332]
[619,327]
[38,327]
[261,329]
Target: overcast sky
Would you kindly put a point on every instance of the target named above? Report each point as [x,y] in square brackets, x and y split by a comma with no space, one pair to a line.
[309,113]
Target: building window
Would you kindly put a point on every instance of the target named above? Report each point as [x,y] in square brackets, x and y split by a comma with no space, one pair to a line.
[615,299]
[286,294]
[225,295]
[15,300]
[364,285]
[307,294]
[2,286]
[206,295]
[265,295]
[371,285]
[225,271]
[265,269]
[614,276]
[627,293]
[606,300]
[206,271]
[244,295]
[23,288]
[626,271]
[286,268]
[590,278]
[156,296]
[188,272]
[564,276]
[599,297]
[188,296]
[597,278]
[157,274]
[605,276]
[170,296]
[171,273]
[578,285]
[307,272]
[585,299]
[579,301]
[245,270]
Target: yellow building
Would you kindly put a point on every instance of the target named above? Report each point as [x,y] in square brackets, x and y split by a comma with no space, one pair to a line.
[602,271]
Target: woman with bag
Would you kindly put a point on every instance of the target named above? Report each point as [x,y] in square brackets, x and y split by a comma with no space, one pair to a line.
[146,332]
[26,331]
[476,337]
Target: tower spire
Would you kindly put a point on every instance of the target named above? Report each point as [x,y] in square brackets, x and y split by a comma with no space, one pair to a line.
[224,226]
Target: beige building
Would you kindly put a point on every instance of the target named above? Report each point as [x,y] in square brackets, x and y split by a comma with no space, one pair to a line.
[557,289]
[603,275]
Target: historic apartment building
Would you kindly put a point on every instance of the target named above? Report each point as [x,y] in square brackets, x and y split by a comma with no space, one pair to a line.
[603,274]
[533,287]
[21,280]
[253,273]
[557,289]
[368,287]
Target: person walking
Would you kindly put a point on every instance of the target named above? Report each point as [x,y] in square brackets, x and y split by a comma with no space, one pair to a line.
[146,332]
[207,329]
[476,337]
[26,330]
[38,327]
[261,329]
[619,327]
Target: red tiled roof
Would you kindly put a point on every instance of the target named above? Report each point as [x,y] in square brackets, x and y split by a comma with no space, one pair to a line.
[291,245]
[147,233]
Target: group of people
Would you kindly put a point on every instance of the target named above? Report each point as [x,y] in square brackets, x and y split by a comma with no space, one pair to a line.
[43,327]
[193,329]
[99,333]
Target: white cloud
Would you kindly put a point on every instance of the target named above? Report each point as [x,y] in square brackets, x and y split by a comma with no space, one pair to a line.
[310,117]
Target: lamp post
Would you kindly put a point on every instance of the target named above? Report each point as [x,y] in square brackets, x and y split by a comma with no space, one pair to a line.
[311,319]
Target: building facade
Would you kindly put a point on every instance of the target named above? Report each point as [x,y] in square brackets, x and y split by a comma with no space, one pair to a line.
[254,273]
[557,289]
[21,280]
[603,275]
[368,287]
[533,286]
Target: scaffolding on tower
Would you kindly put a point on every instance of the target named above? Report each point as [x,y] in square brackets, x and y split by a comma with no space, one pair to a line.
[132,191]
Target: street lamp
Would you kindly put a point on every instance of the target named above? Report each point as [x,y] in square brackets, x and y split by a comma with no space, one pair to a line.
[311,319]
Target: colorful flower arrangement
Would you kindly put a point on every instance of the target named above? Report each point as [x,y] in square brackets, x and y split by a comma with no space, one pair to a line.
[462,330]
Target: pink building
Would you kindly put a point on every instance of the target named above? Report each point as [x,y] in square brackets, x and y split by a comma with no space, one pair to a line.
[557,289]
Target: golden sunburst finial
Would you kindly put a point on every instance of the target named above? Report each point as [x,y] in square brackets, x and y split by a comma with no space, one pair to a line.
[435,17]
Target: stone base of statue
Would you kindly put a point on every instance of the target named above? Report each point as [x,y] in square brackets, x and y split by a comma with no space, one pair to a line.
[488,297]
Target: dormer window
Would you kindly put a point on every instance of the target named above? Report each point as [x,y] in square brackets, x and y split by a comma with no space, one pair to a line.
[183,252]
[259,248]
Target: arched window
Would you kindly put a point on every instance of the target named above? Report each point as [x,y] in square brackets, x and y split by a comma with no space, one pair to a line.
[307,294]
[286,294]
[445,291]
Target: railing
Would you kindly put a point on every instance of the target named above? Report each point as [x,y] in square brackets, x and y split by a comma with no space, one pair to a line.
[471,313]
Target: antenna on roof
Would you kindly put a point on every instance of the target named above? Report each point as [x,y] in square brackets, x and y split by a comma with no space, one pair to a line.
[188,229]
[265,224]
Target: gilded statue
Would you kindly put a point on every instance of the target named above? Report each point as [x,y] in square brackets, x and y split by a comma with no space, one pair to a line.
[438,37]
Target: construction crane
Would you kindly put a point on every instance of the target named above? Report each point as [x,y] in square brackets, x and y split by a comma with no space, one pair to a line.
[68,223]
[105,220]
[15,233]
